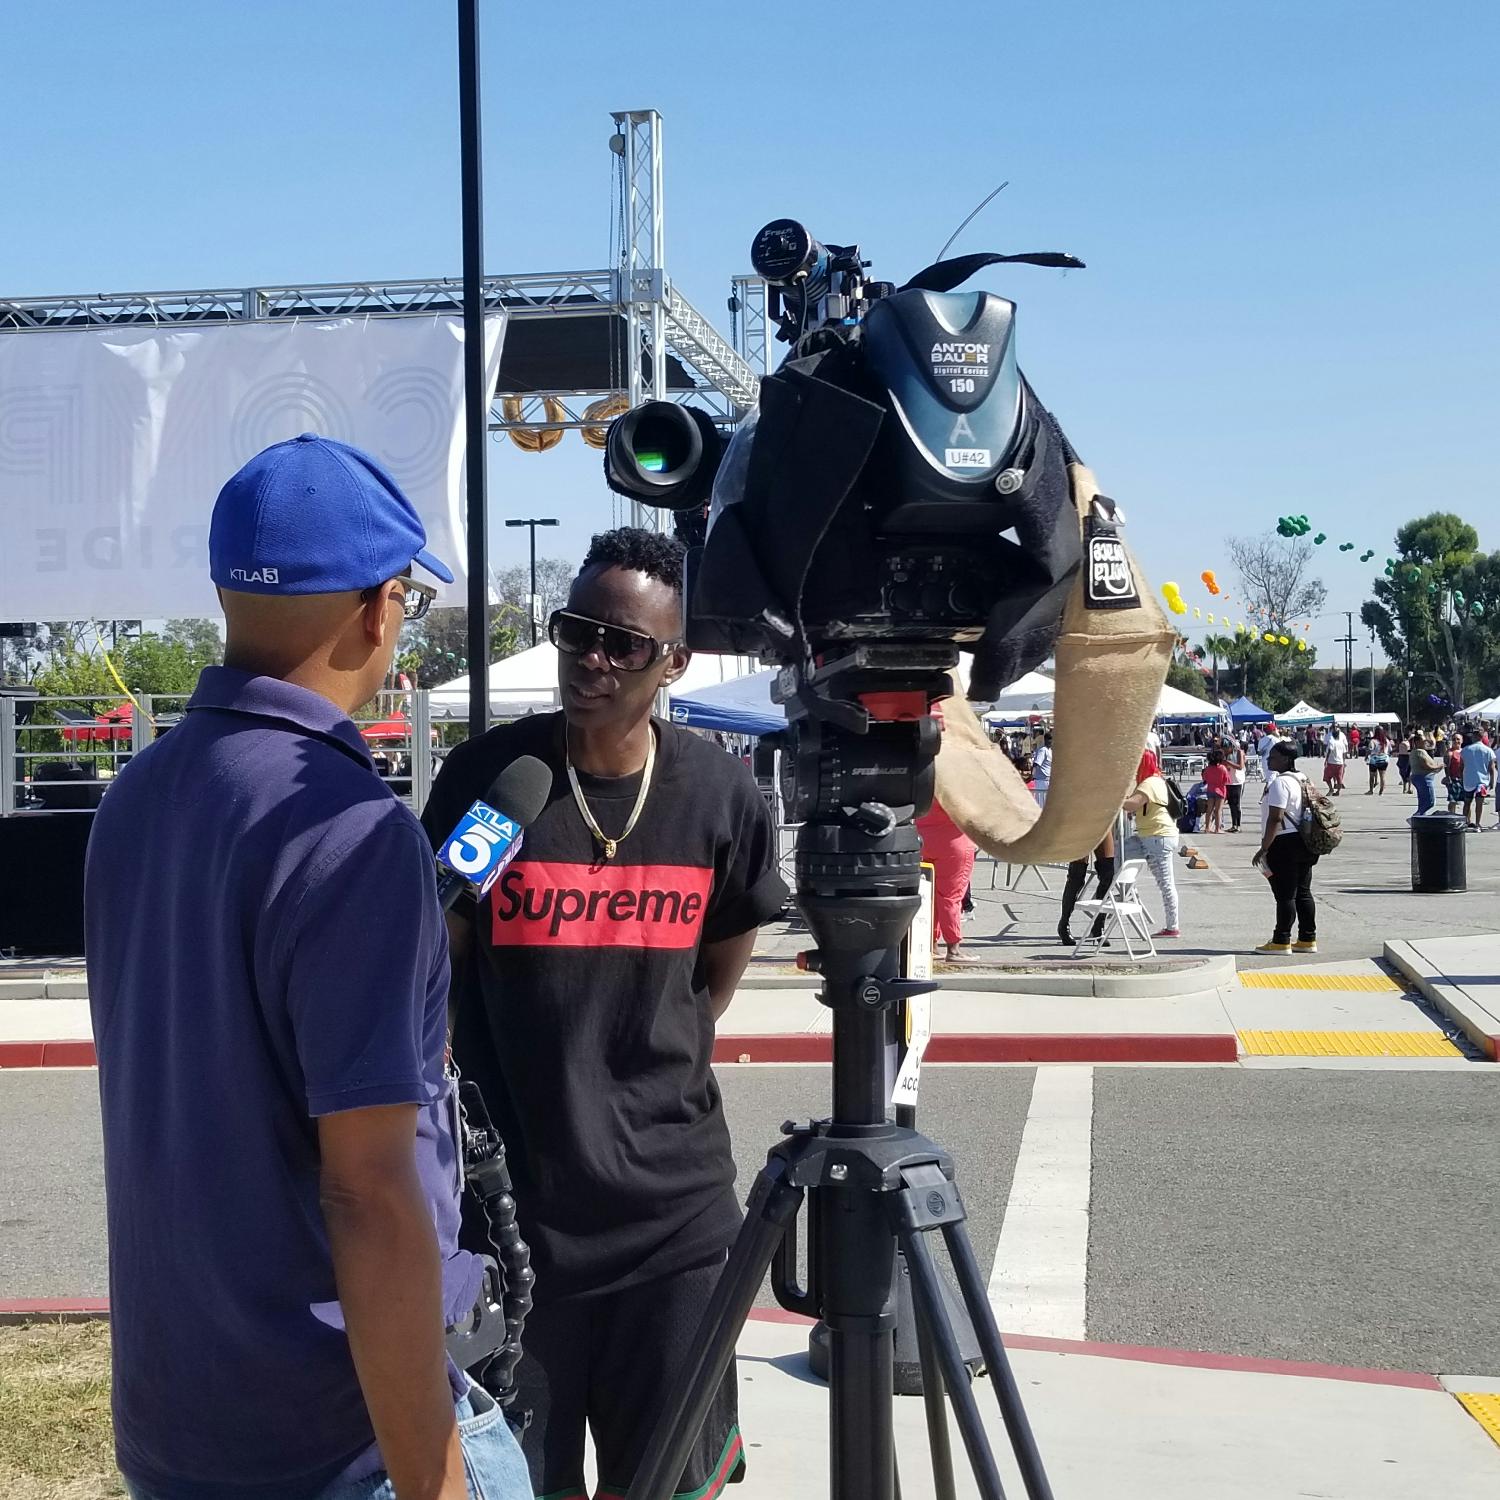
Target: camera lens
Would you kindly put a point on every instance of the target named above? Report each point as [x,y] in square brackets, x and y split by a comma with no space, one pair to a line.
[782,251]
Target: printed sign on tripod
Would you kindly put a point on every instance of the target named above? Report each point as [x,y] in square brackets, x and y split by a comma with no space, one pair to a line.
[916,963]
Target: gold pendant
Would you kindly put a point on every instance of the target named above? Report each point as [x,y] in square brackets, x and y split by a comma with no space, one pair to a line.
[609,848]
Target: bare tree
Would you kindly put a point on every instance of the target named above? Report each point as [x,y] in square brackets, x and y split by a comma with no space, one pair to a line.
[1275,574]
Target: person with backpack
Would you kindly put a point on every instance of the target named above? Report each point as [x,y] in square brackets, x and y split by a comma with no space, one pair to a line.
[1155,838]
[1284,856]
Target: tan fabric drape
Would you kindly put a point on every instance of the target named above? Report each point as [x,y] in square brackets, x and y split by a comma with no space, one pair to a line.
[1110,667]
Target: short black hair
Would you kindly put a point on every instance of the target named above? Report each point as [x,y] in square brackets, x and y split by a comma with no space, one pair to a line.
[650,552]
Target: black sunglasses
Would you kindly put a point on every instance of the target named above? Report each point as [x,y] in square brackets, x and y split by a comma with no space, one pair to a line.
[415,601]
[625,650]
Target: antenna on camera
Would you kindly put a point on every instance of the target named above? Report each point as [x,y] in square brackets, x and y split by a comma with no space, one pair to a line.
[983,203]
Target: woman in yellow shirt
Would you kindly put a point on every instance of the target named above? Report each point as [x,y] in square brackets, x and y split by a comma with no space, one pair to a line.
[1155,838]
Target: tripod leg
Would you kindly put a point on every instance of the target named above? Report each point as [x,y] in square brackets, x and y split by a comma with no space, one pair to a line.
[976,1298]
[928,1299]
[938,1442]
[772,1206]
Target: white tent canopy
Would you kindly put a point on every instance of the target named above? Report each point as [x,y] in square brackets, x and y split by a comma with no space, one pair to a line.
[1486,708]
[526,683]
[1031,694]
[1303,712]
[1367,721]
[1173,703]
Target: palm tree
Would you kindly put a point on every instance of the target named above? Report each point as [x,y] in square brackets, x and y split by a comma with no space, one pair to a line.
[1214,647]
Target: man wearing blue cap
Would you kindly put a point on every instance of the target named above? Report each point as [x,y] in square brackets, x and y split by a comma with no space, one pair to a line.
[268,979]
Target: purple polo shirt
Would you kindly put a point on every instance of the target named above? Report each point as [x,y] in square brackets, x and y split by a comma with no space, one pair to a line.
[264,947]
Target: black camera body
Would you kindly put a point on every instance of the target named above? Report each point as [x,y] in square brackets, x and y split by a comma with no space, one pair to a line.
[898,483]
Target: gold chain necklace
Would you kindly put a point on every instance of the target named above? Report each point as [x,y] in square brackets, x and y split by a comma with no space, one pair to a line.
[609,845]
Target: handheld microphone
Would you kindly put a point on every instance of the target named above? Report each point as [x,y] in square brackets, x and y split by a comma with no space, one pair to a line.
[488,837]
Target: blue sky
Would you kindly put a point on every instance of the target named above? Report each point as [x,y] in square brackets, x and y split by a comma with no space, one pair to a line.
[1289,210]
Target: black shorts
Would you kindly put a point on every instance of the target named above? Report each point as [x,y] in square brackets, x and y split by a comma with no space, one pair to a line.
[605,1362]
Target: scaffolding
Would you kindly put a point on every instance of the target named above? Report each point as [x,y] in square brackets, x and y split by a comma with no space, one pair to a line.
[652,344]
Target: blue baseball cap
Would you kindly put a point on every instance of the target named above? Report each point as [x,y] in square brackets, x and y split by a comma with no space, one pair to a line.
[314,516]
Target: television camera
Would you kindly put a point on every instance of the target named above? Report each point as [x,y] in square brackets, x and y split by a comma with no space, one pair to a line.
[898,492]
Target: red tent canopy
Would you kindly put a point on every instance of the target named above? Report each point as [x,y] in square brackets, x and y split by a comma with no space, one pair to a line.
[114,724]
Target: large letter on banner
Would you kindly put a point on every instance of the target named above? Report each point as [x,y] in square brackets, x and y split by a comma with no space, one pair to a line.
[114,443]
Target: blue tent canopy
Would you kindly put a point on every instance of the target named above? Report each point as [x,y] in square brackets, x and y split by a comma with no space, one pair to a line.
[1243,710]
[741,706]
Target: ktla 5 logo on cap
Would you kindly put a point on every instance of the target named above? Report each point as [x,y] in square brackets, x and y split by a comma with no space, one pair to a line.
[255,575]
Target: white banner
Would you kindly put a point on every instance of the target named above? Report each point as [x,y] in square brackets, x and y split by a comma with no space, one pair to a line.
[114,444]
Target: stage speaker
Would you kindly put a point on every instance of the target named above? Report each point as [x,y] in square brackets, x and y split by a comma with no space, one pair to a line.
[41,881]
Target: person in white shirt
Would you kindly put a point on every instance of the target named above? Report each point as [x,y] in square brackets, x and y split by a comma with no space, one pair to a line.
[1041,770]
[1264,739]
[1153,741]
[1283,858]
[1335,753]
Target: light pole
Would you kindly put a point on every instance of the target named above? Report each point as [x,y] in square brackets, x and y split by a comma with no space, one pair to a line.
[476,406]
[532,523]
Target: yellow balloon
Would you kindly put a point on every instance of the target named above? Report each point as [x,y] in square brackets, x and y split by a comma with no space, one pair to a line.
[1282,640]
[1302,645]
[1267,636]
[1197,613]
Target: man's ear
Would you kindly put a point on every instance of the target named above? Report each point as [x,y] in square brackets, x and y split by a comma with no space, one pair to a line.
[378,616]
[677,664]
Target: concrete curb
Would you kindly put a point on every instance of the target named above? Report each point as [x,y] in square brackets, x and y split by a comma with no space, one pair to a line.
[53,1310]
[90,1309]
[1001,1047]
[1194,979]
[1191,979]
[45,987]
[1478,1024]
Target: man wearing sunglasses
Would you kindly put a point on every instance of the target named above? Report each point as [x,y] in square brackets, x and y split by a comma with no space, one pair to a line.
[268,979]
[589,983]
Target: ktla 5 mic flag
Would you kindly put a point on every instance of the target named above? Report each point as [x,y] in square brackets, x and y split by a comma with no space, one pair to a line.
[114,443]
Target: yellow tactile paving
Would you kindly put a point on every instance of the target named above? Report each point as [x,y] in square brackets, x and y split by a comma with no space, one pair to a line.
[1347,1044]
[1484,1408]
[1274,979]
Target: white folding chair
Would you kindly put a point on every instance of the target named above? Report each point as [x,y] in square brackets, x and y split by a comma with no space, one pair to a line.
[1122,912]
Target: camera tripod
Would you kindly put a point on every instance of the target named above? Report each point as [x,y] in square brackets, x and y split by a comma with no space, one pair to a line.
[872,1186]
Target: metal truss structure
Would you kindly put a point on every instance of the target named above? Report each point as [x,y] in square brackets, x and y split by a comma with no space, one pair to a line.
[671,351]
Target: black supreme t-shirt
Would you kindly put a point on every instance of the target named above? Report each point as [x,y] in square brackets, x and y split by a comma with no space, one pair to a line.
[585,1014]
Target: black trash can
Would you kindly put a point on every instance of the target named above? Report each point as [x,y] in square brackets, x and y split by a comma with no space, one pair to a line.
[1437,853]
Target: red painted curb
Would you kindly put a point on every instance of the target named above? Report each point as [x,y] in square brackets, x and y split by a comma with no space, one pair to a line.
[1195,1359]
[53,1309]
[1000,1047]
[1188,1358]
[70,1054]
[803,1047]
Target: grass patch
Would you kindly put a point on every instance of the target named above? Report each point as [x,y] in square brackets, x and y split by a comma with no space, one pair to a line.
[56,1442]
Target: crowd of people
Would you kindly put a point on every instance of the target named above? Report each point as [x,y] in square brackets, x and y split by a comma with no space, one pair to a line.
[1451,767]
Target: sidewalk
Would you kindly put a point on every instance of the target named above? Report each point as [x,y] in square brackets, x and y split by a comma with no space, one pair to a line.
[1461,977]
[1340,1013]
[1121,1424]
